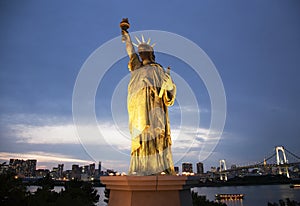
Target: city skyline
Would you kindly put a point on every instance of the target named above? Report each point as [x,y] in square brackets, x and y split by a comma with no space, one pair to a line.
[282,162]
[255,47]
[280,156]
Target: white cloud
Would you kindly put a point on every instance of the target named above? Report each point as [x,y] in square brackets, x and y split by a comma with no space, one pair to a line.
[188,141]
[190,135]
[107,133]
[42,157]
[46,134]
[187,109]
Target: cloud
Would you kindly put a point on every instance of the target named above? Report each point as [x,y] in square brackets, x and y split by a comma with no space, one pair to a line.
[33,119]
[105,133]
[45,134]
[108,140]
[43,157]
[187,109]
[39,129]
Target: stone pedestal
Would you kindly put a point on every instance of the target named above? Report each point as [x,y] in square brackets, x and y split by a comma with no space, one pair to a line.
[148,190]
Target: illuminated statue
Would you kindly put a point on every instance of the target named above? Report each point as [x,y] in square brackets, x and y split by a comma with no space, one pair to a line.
[150,91]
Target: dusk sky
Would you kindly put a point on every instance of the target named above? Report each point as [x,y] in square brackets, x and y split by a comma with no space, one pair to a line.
[254,46]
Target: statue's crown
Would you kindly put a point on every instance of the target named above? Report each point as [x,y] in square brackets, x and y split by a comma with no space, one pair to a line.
[144,46]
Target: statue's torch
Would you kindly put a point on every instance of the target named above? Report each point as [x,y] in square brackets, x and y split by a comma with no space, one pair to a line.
[124,25]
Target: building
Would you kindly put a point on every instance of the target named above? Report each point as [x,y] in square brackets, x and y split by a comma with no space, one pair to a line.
[85,169]
[176,170]
[213,169]
[68,174]
[99,168]
[16,166]
[92,170]
[24,168]
[30,168]
[40,173]
[60,170]
[187,167]
[4,168]
[75,172]
[54,172]
[200,169]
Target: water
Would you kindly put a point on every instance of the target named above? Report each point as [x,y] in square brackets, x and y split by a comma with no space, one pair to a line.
[258,195]
[254,195]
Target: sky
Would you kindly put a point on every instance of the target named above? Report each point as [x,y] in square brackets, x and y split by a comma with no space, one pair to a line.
[44,45]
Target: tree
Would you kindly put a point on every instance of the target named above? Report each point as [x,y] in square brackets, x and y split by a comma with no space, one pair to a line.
[77,193]
[12,190]
[283,203]
[106,194]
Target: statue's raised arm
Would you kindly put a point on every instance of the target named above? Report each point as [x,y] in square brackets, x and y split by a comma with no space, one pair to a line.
[124,25]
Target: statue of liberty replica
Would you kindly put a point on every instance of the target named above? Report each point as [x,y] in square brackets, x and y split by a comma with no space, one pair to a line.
[150,92]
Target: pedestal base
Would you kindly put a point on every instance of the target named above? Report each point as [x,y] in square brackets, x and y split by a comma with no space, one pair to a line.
[148,190]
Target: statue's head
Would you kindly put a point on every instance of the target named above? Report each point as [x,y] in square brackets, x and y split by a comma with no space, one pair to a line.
[144,47]
[145,50]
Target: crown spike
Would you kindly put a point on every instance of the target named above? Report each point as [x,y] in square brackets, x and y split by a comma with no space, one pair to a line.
[137,39]
[153,44]
[149,40]
[134,44]
[143,39]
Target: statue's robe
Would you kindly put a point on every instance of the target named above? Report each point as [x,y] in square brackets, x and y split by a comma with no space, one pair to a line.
[149,123]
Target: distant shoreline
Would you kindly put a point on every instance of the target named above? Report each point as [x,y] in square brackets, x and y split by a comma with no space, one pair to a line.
[237,181]
[251,180]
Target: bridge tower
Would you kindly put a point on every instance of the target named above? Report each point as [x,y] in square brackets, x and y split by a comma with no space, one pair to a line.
[223,176]
[280,161]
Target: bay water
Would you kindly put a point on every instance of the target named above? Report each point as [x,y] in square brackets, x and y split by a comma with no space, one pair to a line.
[257,195]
